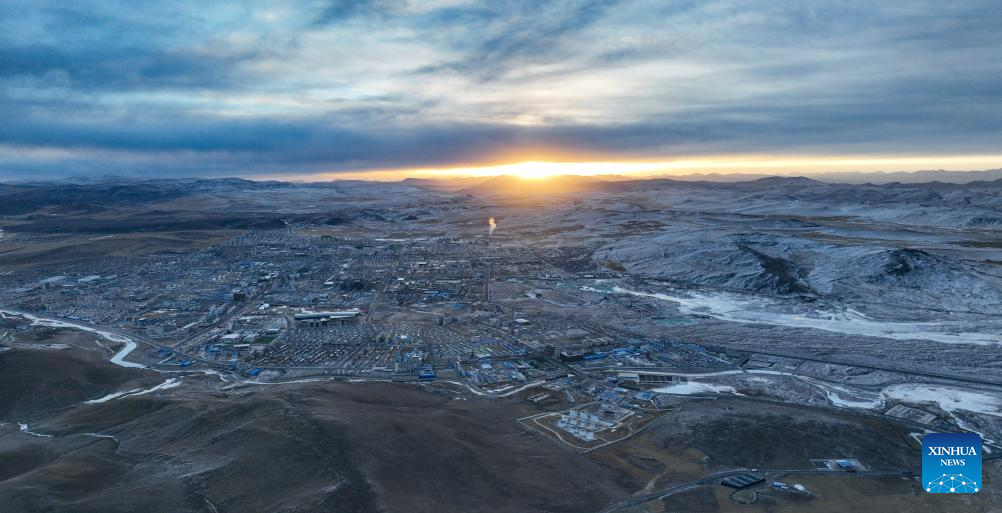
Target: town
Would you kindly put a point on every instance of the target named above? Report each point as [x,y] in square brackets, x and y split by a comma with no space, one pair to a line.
[487,314]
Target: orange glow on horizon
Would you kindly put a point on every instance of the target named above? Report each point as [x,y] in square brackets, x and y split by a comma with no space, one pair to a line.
[756,164]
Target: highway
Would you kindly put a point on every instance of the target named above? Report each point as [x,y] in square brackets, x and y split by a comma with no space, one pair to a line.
[925,374]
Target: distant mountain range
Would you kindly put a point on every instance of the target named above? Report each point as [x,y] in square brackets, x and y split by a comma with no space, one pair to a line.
[874,177]
[26,197]
[96,194]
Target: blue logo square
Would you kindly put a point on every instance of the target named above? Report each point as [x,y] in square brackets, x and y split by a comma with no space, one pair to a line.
[951,462]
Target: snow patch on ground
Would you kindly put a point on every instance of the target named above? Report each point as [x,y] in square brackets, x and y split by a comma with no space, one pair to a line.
[25,430]
[168,384]
[99,435]
[112,396]
[948,399]
[695,387]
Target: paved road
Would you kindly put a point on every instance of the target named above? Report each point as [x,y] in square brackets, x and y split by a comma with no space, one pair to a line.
[908,372]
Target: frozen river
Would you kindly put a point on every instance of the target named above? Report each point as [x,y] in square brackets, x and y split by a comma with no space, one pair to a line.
[128,345]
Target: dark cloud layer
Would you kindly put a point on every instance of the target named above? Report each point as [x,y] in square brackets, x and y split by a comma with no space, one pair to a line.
[230,88]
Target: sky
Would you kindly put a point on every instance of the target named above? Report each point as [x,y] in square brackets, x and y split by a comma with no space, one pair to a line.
[398,87]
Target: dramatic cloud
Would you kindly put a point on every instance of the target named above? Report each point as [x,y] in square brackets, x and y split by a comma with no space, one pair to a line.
[320,86]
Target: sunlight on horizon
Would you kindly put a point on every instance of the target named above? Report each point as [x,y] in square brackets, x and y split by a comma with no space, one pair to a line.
[757,164]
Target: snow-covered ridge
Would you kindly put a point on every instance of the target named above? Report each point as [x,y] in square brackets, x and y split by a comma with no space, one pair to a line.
[841,266]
